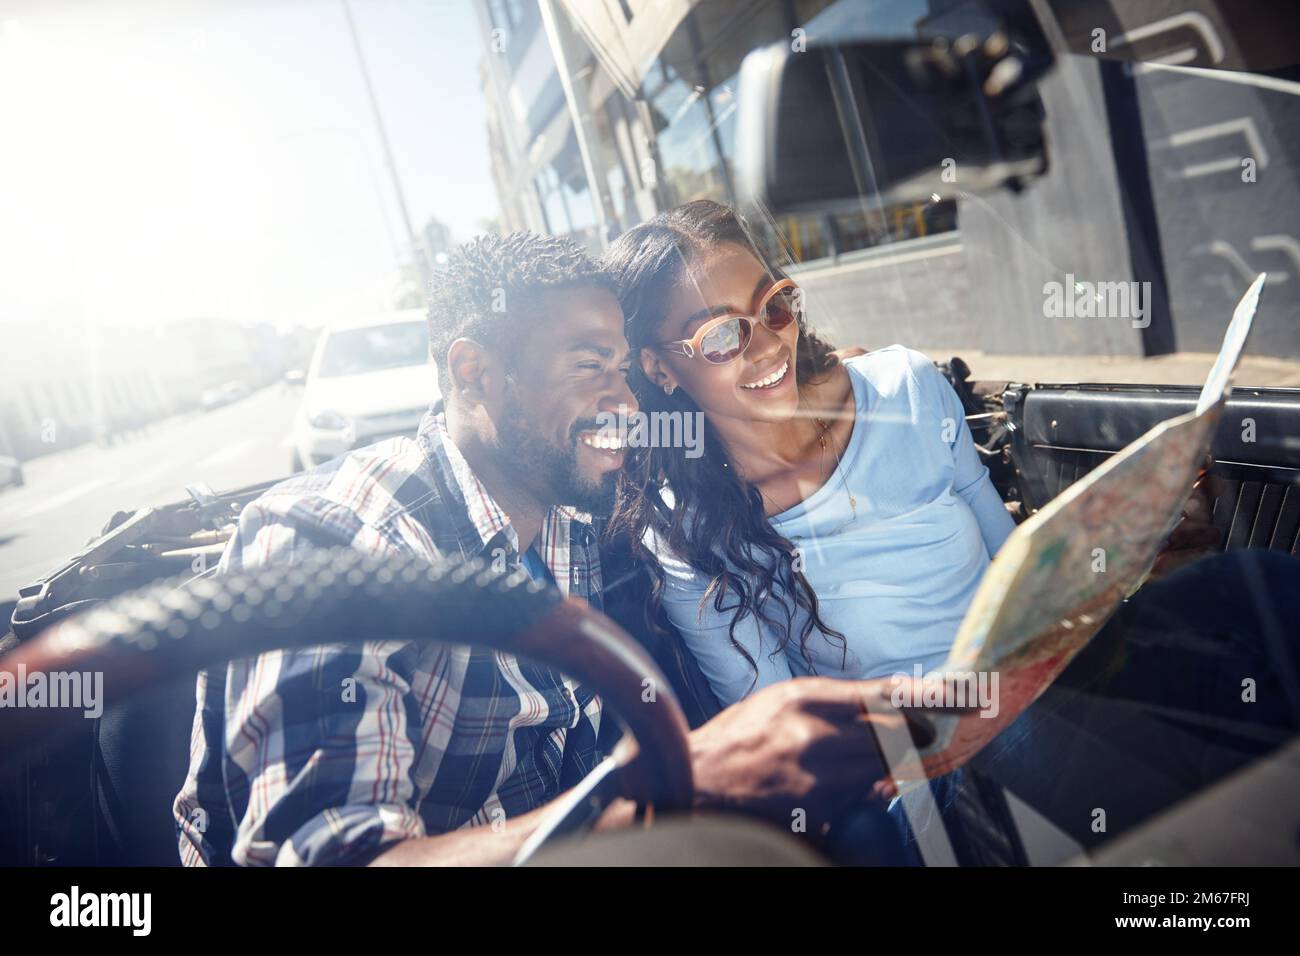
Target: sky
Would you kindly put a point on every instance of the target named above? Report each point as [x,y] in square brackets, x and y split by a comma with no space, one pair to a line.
[173,159]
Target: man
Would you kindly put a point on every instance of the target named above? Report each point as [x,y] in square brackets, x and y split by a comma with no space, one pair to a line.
[433,742]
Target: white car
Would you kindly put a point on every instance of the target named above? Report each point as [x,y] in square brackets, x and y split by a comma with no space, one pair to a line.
[226,394]
[368,380]
[11,472]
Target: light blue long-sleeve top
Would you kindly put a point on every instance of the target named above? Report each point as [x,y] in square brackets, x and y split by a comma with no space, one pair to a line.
[897,579]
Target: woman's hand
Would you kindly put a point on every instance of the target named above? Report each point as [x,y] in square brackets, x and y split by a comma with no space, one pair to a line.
[1195,534]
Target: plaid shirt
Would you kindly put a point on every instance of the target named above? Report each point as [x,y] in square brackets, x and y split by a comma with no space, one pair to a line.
[284,771]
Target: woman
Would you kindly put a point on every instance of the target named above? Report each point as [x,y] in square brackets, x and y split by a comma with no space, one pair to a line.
[840,520]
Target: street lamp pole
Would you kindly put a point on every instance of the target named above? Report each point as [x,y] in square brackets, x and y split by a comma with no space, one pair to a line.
[417,249]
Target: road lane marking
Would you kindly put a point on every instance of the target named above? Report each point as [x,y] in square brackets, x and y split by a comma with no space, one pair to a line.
[229,453]
[51,502]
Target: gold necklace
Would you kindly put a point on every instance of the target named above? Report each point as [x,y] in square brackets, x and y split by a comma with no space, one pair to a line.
[825,432]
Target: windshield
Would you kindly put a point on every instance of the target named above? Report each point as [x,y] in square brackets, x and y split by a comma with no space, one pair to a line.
[357,351]
[1050,207]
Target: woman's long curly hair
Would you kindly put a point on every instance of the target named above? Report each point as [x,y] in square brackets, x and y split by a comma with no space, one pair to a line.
[716,523]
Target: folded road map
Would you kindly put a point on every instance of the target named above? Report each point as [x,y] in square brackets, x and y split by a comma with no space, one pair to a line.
[1064,571]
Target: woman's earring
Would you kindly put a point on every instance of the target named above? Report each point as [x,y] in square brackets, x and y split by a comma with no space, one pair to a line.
[668,389]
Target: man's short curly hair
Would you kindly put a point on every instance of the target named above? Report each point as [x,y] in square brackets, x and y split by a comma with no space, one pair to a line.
[489,289]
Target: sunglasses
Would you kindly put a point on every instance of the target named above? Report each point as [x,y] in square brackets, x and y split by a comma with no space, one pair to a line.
[725,338]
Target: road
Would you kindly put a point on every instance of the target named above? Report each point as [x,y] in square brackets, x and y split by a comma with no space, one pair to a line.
[69,496]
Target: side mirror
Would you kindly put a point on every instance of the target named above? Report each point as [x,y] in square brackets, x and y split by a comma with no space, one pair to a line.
[295,376]
[828,128]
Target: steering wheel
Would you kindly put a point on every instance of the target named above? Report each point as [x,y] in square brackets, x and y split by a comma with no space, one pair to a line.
[167,630]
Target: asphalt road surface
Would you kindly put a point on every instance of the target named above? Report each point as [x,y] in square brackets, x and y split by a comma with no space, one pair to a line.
[69,496]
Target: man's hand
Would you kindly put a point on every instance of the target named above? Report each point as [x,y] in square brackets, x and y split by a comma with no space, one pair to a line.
[1195,534]
[804,744]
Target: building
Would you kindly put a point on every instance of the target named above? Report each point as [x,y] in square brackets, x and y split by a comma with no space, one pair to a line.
[64,384]
[603,112]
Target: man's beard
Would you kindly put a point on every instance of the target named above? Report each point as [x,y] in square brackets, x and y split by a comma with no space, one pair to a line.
[551,470]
